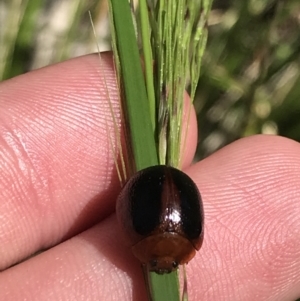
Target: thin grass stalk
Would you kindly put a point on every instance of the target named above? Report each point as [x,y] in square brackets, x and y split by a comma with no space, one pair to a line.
[148,59]
[173,46]
[178,41]
[142,142]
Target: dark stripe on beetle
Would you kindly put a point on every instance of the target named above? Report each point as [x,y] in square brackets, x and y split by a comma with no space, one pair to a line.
[145,200]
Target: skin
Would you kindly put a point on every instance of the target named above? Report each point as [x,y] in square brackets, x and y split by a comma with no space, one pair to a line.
[58,187]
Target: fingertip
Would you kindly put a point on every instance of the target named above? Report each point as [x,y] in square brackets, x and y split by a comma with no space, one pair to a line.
[54,134]
[250,190]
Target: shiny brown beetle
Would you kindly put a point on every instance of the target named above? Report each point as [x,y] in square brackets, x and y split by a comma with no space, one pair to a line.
[161,212]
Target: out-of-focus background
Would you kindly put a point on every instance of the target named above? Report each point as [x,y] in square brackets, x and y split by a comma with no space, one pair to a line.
[250,79]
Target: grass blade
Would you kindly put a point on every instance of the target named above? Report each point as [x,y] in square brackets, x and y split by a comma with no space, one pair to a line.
[137,109]
[174,46]
[161,287]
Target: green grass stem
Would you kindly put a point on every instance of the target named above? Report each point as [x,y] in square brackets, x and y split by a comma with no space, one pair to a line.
[167,32]
[137,108]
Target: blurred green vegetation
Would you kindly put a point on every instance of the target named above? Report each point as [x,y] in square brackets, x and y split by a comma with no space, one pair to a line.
[250,79]
[250,82]
[36,33]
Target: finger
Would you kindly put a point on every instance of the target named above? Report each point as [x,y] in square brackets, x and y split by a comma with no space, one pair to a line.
[57,174]
[251,249]
[56,163]
[91,266]
[244,254]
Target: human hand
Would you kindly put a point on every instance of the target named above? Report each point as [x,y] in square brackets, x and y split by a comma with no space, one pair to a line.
[58,179]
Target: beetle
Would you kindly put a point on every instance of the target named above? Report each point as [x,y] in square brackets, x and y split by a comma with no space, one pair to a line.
[161,213]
